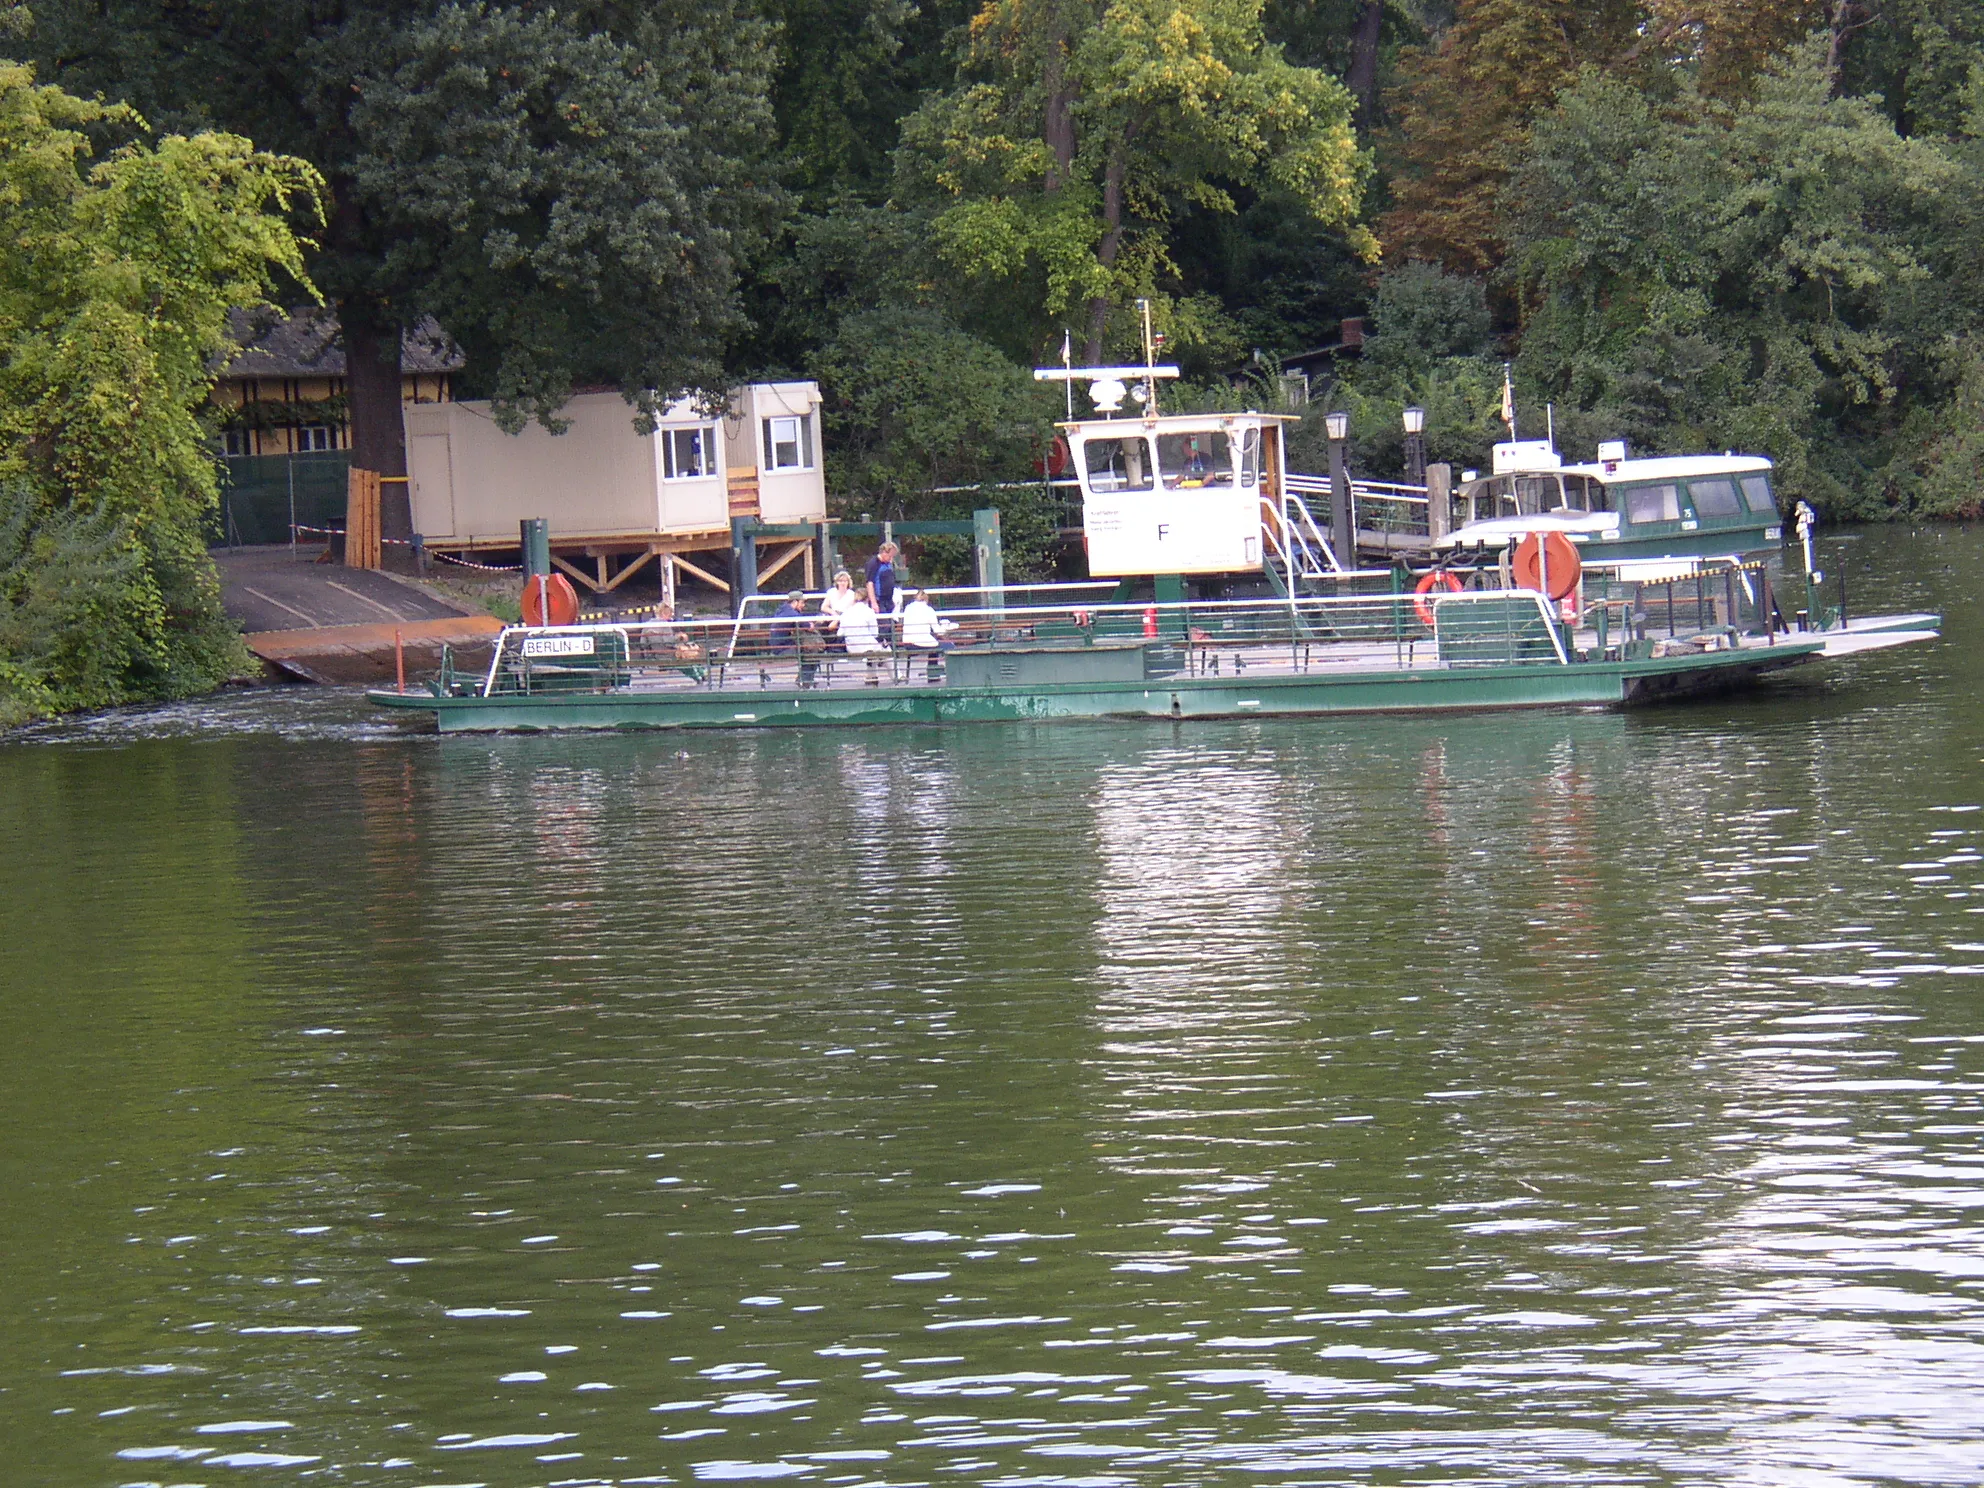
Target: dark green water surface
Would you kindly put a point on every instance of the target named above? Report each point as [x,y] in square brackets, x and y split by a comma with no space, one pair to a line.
[1562,1098]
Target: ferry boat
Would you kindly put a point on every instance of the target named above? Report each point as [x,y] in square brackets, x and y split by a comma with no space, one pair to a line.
[1172,504]
[1619,509]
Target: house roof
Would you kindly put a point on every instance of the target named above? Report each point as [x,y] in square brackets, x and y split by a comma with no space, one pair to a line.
[306,344]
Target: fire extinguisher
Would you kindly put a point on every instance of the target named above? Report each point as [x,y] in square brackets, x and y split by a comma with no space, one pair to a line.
[1150,622]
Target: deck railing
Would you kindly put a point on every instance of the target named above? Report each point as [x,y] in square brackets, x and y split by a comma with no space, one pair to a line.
[1386,507]
[752,652]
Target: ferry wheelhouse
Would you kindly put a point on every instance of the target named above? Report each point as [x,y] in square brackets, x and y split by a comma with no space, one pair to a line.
[1615,508]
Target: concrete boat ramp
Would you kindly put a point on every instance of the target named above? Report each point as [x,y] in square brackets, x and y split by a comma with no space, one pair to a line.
[323,622]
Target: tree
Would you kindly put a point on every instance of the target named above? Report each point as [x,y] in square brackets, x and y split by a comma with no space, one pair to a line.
[1716,280]
[1086,127]
[570,192]
[913,404]
[1463,107]
[115,284]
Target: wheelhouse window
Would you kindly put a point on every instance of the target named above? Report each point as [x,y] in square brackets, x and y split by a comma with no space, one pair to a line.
[1538,493]
[688,453]
[788,443]
[1250,457]
[1202,458]
[1715,498]
[1660,503]
[1756,491]
[1582,493]
[1117,464]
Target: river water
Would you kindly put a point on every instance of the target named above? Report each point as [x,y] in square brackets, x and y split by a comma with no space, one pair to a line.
[1553,1098]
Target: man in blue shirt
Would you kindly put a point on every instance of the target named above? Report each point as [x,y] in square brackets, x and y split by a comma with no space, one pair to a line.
[881,576]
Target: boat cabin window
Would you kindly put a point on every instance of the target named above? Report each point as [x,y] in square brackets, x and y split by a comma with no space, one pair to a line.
[1117,464]
[1756,491]
[1202,458]
[1660,503]
[1715,498]
[1250,457]
[1582,493]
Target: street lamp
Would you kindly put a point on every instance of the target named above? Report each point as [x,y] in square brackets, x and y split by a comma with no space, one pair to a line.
[1343,526]
[1415,446]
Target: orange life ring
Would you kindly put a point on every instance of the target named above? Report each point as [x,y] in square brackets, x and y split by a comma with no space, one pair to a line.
[1566,568]
[549,600]
[1437,578]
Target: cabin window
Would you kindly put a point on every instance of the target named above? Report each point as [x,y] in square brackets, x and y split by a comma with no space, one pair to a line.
[1250,457]
[1756,491]
[234,441]
[1204,458]
[1582,493]
[788,444]
[688,453]
[1715,498]
[315,437]
[1538,493]
[1117,464]
[1653,503]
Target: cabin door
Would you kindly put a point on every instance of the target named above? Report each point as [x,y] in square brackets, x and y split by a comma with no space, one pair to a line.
[433,476]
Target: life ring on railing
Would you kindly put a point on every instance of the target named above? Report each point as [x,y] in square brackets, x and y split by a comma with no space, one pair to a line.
[1438,578]
[549,599]
[1566,569]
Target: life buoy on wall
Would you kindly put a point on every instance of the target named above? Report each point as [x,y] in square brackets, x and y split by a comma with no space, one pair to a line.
[550,599]
[1438,578]
[1566,569]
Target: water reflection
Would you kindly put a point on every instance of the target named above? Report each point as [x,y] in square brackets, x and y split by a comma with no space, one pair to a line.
[1556,1099]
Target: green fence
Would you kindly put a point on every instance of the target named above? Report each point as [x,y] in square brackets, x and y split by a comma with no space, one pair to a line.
[262,495]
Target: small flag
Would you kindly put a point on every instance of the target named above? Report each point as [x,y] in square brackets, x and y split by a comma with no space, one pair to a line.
[1508,401]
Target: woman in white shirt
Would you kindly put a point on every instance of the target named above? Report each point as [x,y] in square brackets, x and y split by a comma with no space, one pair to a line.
[834,604]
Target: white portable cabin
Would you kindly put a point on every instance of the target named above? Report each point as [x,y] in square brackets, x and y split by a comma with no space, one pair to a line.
[602,482]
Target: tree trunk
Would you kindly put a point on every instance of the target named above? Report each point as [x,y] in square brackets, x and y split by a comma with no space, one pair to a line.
[1843,18]
[1363,78]
[1107,249]
[378,438]
[1057,128]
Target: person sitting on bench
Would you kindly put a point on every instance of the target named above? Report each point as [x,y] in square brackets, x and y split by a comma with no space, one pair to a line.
[860,634]
[923,629]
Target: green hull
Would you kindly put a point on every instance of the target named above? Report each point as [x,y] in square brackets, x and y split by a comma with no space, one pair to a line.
[1581,684]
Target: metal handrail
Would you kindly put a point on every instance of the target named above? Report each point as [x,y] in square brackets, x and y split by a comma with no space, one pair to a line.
[1310,533]
[1383,613]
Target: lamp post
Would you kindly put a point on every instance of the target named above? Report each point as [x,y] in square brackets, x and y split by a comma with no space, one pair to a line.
[1343,527]
[1415,446]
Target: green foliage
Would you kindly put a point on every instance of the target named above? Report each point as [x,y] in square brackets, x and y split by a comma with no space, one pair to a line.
[1462,397]
[115,283]
[1709,279]
[571,192]
[1425,314]
[1082,131]
[549,194]
[913,404]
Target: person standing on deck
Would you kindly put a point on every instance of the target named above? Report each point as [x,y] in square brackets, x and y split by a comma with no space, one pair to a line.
[881,591]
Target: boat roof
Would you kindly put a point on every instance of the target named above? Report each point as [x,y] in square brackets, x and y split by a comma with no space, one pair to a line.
[1173,423]
[1670,467]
